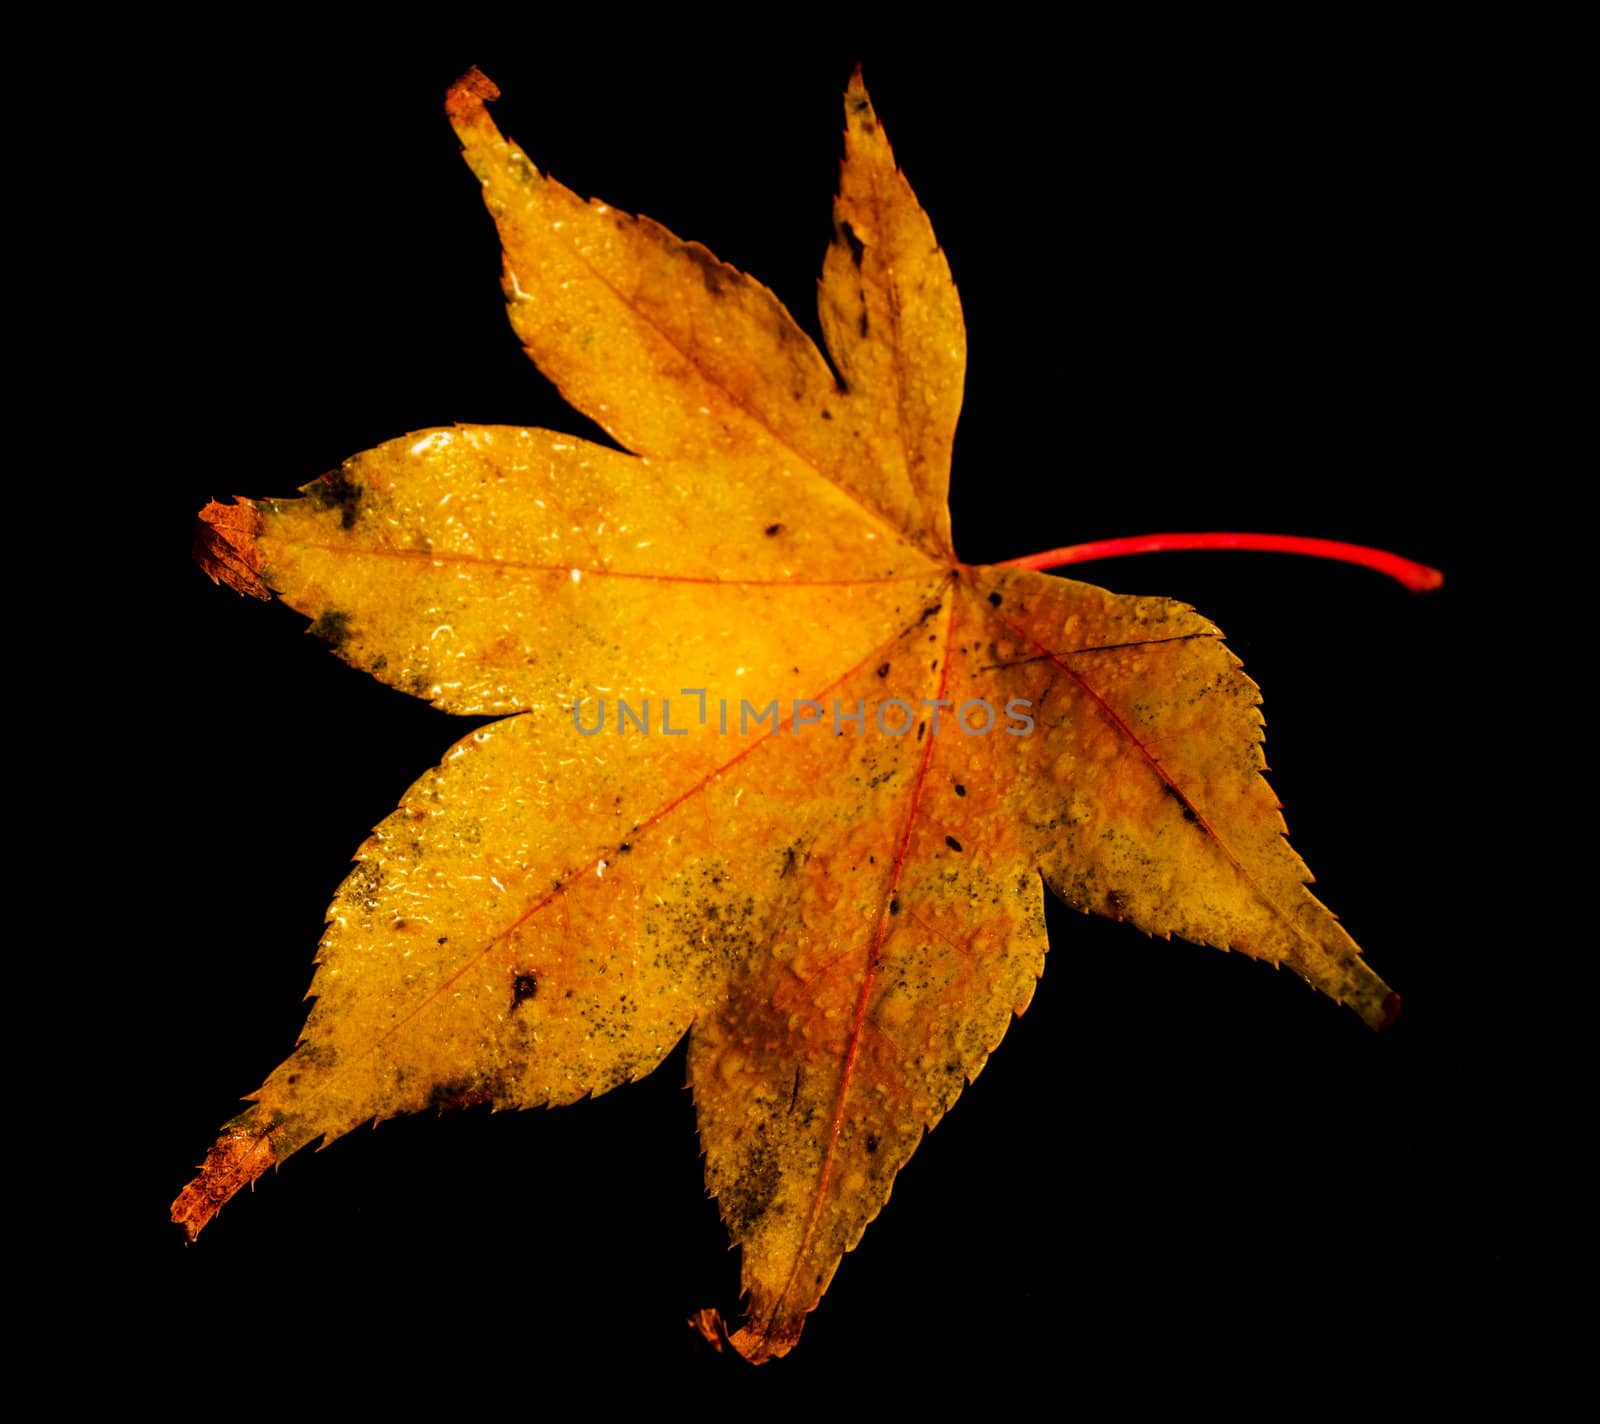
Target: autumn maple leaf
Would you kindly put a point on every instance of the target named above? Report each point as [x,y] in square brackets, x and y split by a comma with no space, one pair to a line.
[841,899]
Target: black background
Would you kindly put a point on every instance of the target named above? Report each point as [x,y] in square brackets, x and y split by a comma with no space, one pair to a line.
[1210,282]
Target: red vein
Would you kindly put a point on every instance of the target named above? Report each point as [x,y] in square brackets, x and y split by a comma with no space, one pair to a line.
[964,950]
[859,1021]
[1419,578]
[565,569]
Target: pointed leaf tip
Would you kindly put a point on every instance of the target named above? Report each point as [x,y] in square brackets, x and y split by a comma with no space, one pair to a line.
[239,1156]
[858,103]
[1390,1011]
[464,103]
[225,547]
[476,84]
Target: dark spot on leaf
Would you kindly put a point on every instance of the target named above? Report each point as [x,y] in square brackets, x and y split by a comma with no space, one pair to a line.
[379,663]
[894,907]
[332,626]
[872,1142]
[994,598]
[856,245]
[827,414]
[921,728]
[960,789]
[752,1190]
[444,939]
[773,530]
[1181,799]
[883,670]
[952,842]
[335,490]
[711,272]
[524,986]
[625,847]
[863,326]
[458,1093]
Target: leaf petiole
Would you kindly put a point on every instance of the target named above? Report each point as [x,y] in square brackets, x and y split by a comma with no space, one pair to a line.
[1419,578]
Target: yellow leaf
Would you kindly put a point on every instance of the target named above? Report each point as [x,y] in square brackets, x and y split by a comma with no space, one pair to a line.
[848,919]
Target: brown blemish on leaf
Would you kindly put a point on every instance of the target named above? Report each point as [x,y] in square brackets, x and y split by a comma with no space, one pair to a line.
[857,247]
[753,1189]
[336,490]
[332,626]
[714,274]
[461,1093]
